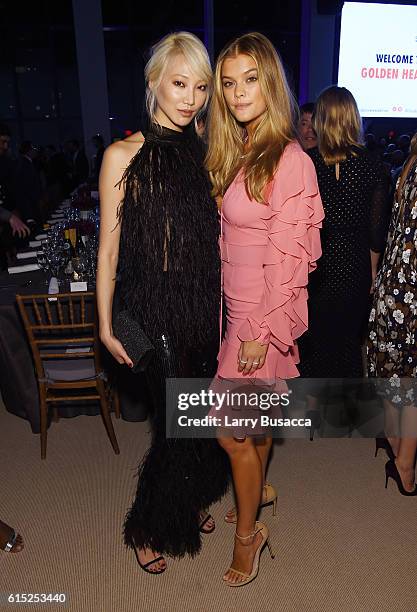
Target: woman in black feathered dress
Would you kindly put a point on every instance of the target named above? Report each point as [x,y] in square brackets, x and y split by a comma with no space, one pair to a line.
[162,238]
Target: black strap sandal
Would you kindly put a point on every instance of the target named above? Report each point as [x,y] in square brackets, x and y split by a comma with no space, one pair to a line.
[145,566]
[204,521]
[12,541]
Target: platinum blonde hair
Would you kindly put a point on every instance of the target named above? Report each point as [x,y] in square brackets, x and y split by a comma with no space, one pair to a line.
[177,43]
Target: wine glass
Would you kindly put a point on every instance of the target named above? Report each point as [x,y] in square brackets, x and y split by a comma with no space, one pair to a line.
[55,261]
[66,252]
[43,264]
[80,266]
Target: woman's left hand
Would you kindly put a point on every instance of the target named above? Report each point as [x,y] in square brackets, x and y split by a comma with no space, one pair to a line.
[251,356]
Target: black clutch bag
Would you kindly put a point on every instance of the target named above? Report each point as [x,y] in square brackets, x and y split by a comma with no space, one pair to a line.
[135,342]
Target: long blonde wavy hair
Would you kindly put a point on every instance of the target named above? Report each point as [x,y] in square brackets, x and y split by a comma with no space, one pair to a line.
[275,130]
[337,123]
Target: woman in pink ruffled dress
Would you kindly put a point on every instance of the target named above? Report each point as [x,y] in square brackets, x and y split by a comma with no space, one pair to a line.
[271,215]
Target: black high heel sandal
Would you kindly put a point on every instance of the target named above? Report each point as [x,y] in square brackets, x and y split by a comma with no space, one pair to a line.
[203,523]
[315,417]
[391,471]
[382,442]
[145,566]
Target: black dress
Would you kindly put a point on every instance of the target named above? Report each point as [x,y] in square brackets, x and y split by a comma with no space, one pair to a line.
[169,276]
[356,213]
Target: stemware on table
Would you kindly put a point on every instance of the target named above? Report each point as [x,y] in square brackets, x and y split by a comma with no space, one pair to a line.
[54,255]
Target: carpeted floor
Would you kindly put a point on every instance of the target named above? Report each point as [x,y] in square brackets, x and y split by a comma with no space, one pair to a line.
[343,543]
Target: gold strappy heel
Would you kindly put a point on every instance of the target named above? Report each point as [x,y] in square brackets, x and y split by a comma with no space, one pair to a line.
[270,496]
[263,530]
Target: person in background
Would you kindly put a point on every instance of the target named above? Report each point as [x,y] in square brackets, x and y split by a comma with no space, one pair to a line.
[370,141]
[354,189]
[392,337]
[27,184]
[7,167]
[7,203]
[18,228]
[381,146]
[5,136]
[397,163]
[403,143]
[306,131]
[56,173]
[372,146]
[98,143]
[79,168]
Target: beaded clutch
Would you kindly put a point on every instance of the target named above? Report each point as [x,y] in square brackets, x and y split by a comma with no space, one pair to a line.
[134,340]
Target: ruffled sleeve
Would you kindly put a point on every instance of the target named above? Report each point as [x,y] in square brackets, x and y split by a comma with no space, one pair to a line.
[294,218]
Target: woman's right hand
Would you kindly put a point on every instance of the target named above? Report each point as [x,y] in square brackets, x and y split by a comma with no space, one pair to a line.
[115,347]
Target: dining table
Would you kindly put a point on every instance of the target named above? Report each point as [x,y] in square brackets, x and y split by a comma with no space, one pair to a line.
[18,384]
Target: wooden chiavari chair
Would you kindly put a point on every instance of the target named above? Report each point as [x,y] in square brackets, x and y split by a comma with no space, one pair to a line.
[63,337]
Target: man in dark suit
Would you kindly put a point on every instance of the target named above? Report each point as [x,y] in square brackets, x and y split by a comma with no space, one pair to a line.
[7,168]
[27,184]
[98,143]
[7,201]
[78,162]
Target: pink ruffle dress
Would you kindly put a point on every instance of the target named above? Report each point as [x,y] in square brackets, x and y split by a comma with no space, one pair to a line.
[267,252]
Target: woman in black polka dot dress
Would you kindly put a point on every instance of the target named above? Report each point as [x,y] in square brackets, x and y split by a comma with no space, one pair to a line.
[354,191]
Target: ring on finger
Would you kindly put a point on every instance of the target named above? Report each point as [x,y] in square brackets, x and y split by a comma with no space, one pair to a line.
[255,362]
[241,361]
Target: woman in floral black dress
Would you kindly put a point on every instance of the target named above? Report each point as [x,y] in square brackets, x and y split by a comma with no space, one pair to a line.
[392,351]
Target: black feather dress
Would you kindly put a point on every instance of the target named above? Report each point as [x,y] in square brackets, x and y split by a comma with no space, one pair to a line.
[169,275]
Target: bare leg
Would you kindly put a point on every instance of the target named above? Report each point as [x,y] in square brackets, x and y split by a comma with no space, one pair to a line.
[405,461]
[247,479]
[312,402]
[392,425]
[263,448]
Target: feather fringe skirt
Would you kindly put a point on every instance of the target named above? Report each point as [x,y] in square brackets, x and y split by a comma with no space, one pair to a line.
[178,478]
